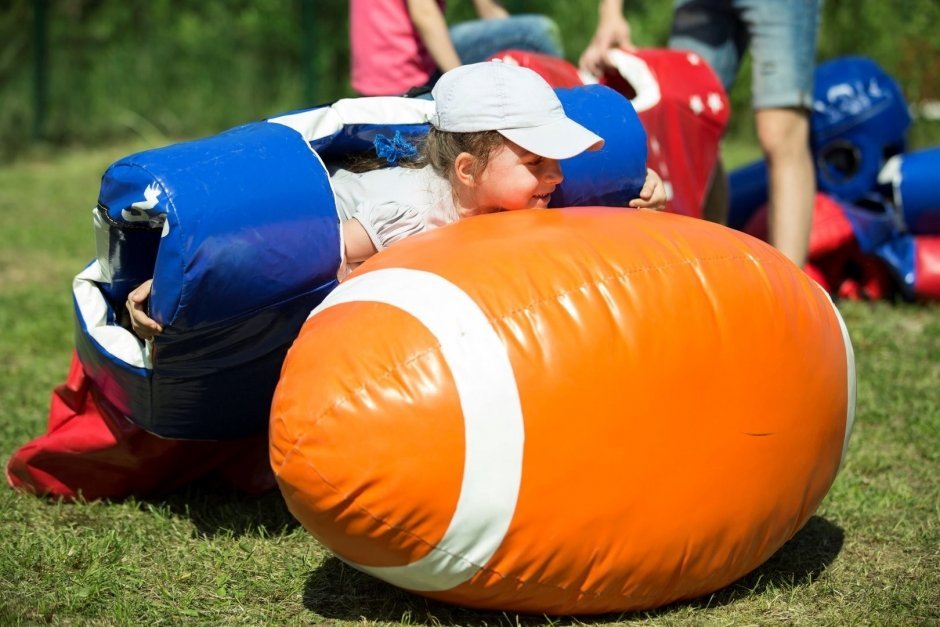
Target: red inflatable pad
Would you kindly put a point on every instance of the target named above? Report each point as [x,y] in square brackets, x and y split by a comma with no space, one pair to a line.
[684,109]
[866,278]
[831,231]
[927,267]
[557,72]
[90,451]
[835,260]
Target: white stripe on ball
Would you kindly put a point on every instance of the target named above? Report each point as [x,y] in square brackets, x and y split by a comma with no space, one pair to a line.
[493,422]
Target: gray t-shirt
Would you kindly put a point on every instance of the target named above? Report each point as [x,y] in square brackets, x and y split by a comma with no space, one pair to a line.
[393,203]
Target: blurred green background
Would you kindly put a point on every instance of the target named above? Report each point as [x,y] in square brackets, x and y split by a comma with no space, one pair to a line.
[93,71]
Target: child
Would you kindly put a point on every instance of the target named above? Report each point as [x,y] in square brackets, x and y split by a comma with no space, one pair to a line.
[495,143]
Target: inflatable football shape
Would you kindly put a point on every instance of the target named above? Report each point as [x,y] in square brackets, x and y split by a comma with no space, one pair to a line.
[566,412]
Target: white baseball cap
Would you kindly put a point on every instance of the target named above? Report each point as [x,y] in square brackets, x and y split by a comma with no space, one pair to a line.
[513,100]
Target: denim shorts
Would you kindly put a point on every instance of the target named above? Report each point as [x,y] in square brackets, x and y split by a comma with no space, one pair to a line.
[781,36]
[478,39]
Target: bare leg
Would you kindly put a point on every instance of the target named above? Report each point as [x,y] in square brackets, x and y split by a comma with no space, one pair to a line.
[784,138]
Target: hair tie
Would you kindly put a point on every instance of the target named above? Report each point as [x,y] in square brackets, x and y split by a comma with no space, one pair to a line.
[394,149]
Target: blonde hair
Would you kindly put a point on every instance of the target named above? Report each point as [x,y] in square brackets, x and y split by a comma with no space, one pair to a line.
[441,148]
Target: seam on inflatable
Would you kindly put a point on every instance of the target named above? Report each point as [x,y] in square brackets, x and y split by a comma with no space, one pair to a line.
[388,372]
[247,315]
[292,451]
[436,548]
[618,277]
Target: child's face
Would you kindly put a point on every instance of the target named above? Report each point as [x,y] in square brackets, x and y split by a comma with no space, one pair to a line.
[515,178]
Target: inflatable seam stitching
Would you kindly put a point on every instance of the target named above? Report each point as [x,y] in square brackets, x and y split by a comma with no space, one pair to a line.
[396,368]
[298,441]
[619,277]
[223,323]
[433,547]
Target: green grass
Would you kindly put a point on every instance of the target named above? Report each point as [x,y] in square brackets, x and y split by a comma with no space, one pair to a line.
[870,555]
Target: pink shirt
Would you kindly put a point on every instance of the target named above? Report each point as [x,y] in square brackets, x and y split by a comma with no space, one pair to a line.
[388,57]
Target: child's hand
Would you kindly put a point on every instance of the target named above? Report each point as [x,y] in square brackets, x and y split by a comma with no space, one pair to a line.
[143,325]
[653,194]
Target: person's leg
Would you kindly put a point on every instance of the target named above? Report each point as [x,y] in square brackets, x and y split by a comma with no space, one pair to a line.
[711,29]
[783,46]
[477,40]
[784,139]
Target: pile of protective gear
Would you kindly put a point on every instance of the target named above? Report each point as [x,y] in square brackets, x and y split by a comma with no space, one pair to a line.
[876,225]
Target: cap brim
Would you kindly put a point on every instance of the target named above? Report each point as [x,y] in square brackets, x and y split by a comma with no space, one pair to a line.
[561,139]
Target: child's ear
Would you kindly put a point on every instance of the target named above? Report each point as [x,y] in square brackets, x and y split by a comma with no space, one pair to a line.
[465,169]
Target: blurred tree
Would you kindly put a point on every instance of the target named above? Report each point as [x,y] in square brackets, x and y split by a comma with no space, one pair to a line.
[170,69]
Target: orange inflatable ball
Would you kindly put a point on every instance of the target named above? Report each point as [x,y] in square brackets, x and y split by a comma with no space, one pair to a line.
[565,412]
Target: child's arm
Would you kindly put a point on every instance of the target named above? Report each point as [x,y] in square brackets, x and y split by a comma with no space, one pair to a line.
[653,194]
[357,245]
[142,325]
[383,224]
[432,29]
[490,9]
[376,227]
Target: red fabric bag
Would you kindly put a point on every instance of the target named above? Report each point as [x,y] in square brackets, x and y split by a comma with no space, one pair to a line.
[90,451]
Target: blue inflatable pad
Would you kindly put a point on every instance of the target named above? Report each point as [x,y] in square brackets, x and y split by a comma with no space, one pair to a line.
[859,119]
[898,253]
[240,234]
[247,215]
[614,175]
[874,221]
[747,189]
[910,179]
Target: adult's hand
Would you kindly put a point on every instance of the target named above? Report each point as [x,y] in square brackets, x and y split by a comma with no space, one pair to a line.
[613,31]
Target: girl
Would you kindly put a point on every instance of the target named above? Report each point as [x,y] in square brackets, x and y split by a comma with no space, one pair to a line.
[495,143]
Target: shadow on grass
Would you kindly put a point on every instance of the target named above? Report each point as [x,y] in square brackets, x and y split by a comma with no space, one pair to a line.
[216,511]
[798,562]
[337,591]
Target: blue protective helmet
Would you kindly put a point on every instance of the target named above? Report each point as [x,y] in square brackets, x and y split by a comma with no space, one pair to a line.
[859,120]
